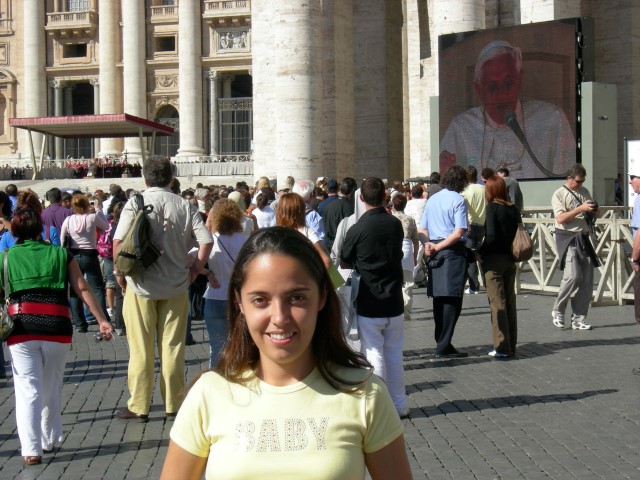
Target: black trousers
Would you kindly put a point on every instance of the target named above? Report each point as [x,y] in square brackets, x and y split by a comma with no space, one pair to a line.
[446,311]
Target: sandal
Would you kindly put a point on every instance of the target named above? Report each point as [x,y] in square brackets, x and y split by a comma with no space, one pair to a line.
[33,460]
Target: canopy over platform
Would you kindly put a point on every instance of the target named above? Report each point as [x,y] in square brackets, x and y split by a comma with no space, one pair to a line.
[115,125]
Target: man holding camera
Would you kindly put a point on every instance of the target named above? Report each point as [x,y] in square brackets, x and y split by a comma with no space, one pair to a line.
[575,213]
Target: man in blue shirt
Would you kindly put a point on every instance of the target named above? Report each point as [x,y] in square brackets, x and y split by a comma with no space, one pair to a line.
[445,223]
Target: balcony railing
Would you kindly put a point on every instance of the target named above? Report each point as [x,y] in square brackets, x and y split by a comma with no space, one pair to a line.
[72,23]
[221,11]
[164,13]
[5,26]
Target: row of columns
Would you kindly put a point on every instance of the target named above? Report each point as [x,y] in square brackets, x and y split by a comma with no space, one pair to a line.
[110,92]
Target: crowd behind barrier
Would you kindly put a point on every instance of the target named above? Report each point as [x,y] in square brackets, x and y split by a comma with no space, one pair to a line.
[120,167]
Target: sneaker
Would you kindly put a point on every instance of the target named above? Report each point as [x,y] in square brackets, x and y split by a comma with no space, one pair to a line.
[577,323]
[111,312]
[495,354]
[558,318]
[468,291]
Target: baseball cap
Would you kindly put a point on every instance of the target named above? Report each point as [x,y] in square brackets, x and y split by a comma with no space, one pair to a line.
[634,171]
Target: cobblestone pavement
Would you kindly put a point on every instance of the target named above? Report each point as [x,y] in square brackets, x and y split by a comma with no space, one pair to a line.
[567,407]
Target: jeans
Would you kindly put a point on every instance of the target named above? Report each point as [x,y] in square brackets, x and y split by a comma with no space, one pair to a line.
[90,267]
[215,319]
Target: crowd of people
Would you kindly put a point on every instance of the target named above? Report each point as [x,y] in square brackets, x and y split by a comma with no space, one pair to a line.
[274,340]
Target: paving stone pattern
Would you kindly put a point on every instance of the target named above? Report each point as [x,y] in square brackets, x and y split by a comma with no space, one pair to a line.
[567,407]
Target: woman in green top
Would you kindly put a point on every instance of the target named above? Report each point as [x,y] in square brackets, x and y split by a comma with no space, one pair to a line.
[39,306]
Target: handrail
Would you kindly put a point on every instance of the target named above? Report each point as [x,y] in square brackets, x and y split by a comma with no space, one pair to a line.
[612,241]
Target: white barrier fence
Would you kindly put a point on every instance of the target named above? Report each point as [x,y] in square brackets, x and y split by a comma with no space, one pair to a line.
[612,240]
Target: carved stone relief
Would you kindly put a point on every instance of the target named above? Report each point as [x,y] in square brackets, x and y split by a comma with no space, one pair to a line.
[166,81]
[164,100]
[233,40]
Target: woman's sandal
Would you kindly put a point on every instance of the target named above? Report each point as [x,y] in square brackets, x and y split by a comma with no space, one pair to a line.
[33,460]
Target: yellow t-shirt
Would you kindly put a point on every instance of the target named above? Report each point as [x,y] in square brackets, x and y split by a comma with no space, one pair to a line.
[306,430]
[476,203]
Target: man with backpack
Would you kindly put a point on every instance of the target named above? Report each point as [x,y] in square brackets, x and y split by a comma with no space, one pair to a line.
[156,301]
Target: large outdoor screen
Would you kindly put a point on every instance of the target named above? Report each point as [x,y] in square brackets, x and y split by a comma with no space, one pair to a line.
[508,99]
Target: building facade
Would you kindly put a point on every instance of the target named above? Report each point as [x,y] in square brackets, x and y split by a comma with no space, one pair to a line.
[302,87]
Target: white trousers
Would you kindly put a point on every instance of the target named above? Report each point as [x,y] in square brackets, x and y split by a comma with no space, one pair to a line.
[381,341]
[38,369]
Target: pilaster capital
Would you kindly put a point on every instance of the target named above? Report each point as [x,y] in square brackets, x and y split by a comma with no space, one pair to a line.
[212,75]
[95,82]
[55,83]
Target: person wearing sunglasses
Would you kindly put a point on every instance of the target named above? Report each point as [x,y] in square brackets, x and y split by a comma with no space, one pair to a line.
[575,212]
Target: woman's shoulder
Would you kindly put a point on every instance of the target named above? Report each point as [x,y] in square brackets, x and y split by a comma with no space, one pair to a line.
[350,377]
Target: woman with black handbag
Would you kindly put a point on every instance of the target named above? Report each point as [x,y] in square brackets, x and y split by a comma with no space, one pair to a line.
[39,342]
[499,267]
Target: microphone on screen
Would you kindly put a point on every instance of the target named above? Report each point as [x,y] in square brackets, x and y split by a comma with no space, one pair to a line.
[511,120]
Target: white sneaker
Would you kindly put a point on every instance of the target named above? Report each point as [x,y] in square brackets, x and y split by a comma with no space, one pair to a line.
[558,318]
[468,291]
[578,323]
[495,354]
[111,312]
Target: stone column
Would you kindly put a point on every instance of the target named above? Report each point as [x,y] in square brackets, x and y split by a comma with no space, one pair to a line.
[449,16]
[134,70]
[227,81]
[226,140]
[34,79]
[110,77]
[213,111]
[96,111]
[294,107]
[532,11]
[67,110]
[190,78]
[58,111]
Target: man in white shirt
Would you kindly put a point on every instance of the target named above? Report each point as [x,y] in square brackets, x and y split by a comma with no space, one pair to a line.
[482,137]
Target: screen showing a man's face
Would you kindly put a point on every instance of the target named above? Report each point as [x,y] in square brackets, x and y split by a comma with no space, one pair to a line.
[507,98]
[499,87]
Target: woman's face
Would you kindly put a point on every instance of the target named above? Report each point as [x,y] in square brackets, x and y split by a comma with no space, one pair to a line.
[280,302]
